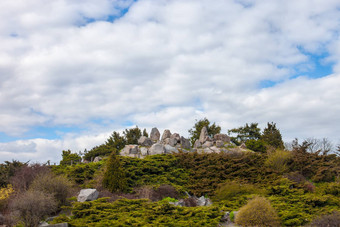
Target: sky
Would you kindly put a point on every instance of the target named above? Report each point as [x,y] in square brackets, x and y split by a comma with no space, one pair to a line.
[72,72]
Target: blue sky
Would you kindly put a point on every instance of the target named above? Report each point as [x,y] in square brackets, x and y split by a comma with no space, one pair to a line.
[73,72]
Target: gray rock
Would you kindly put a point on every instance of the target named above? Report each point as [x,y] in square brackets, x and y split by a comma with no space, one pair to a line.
[43,224]
[202,201]
[144,151]
[166,141]
[207,150]
[157,148]
[243,146]
[166,134]
[172,142]
[129,149]
[185,143]
[219,143]
[97,159]
[169,149]
[155,135]
[180,203]
[176,136]
[145,141]
[204,135]
[207,144]
[197,144]
[224,137]
[87,195]
[215,149]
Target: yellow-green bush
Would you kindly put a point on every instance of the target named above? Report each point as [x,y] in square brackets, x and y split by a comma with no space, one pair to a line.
[278,160]
[257,212]
[4,195]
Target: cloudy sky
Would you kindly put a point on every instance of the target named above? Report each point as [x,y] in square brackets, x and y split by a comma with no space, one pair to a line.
[71,72]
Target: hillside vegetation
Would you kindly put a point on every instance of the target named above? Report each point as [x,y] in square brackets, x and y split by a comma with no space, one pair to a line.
[288,187]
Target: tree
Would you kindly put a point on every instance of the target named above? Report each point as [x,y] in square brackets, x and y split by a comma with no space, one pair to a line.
[272,136]
[116,141]
[114,177]
[69,158]
[196,130]
[145,133]
[245,133]
[132,135]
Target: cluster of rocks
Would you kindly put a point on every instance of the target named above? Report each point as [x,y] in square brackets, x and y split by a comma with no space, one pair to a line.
[198,201]
[155,144]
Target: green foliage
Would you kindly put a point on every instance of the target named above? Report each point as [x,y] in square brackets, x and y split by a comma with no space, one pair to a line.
[141,213]
[7,170]
[257,212]
[256,145]
[102,150]
[245,133]
[145,133]
[69,158]
[132,135]
[196,130]
[115,141]
[278,160]
[114,177]
[231,190]
[272,136]
[169,199]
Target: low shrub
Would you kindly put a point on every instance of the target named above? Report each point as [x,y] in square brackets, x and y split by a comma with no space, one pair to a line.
[58,186]
[278,160]
[257,212]
[31,206]
[231,190]
[329,220]
[256,145]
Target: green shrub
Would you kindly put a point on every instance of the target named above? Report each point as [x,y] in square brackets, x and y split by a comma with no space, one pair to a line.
[114,177]
[69,158]
[278,160]
[257,212]
[256,145]
[231,190]
[58,186]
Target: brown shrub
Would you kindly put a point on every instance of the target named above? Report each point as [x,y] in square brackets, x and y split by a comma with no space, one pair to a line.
[24,176]
[58,186]
[32,206]
[257,212]
[331,220]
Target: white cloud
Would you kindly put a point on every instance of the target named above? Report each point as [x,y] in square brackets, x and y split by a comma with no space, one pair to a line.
[165,63]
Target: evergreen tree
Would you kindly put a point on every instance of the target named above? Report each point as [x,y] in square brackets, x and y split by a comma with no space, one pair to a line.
[116,141]
[272,136]
[114,177]
[196,130]
[247,132]
[69,158]
[132,135]
[145,133]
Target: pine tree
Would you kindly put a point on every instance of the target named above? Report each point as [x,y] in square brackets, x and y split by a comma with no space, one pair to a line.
[272,136]
[114,177]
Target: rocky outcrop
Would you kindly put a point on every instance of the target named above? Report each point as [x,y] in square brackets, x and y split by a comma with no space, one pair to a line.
[87,195]
[145,141]
[203,135]
[166,135]
[97,159]
[129,150]
[157,148]
[185,143]
[155,135]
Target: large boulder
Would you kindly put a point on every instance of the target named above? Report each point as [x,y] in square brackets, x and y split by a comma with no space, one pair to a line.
[197,144]
[97,159]
[145,141]
[176,137]
[155,135]
[87,195]
[157,148]
[204,135]
[202,201]
[166,134]
[169,149]
[144,151]
[219,143]
[223,137]
[185,143]
[129,150]
[172,142]
[207,144]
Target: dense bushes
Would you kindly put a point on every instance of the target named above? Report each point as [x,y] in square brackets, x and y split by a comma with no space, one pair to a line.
[257,212]
[140,213]
[278,160]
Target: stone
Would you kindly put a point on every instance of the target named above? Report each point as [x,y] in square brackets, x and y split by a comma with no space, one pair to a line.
[144,151]
[180,203]
[130,149]
[166,134]
[166,141]
[145,141]
[207,150]
[204,135]
[202,201]
[97,159]
[207,144]
[243,146]
[219,143]
[172,142]
[197,144]
[157,148]
[215,149]
[169,149]
[87,195]
[176,136]
[225,138]
[185,143]
[155,135]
